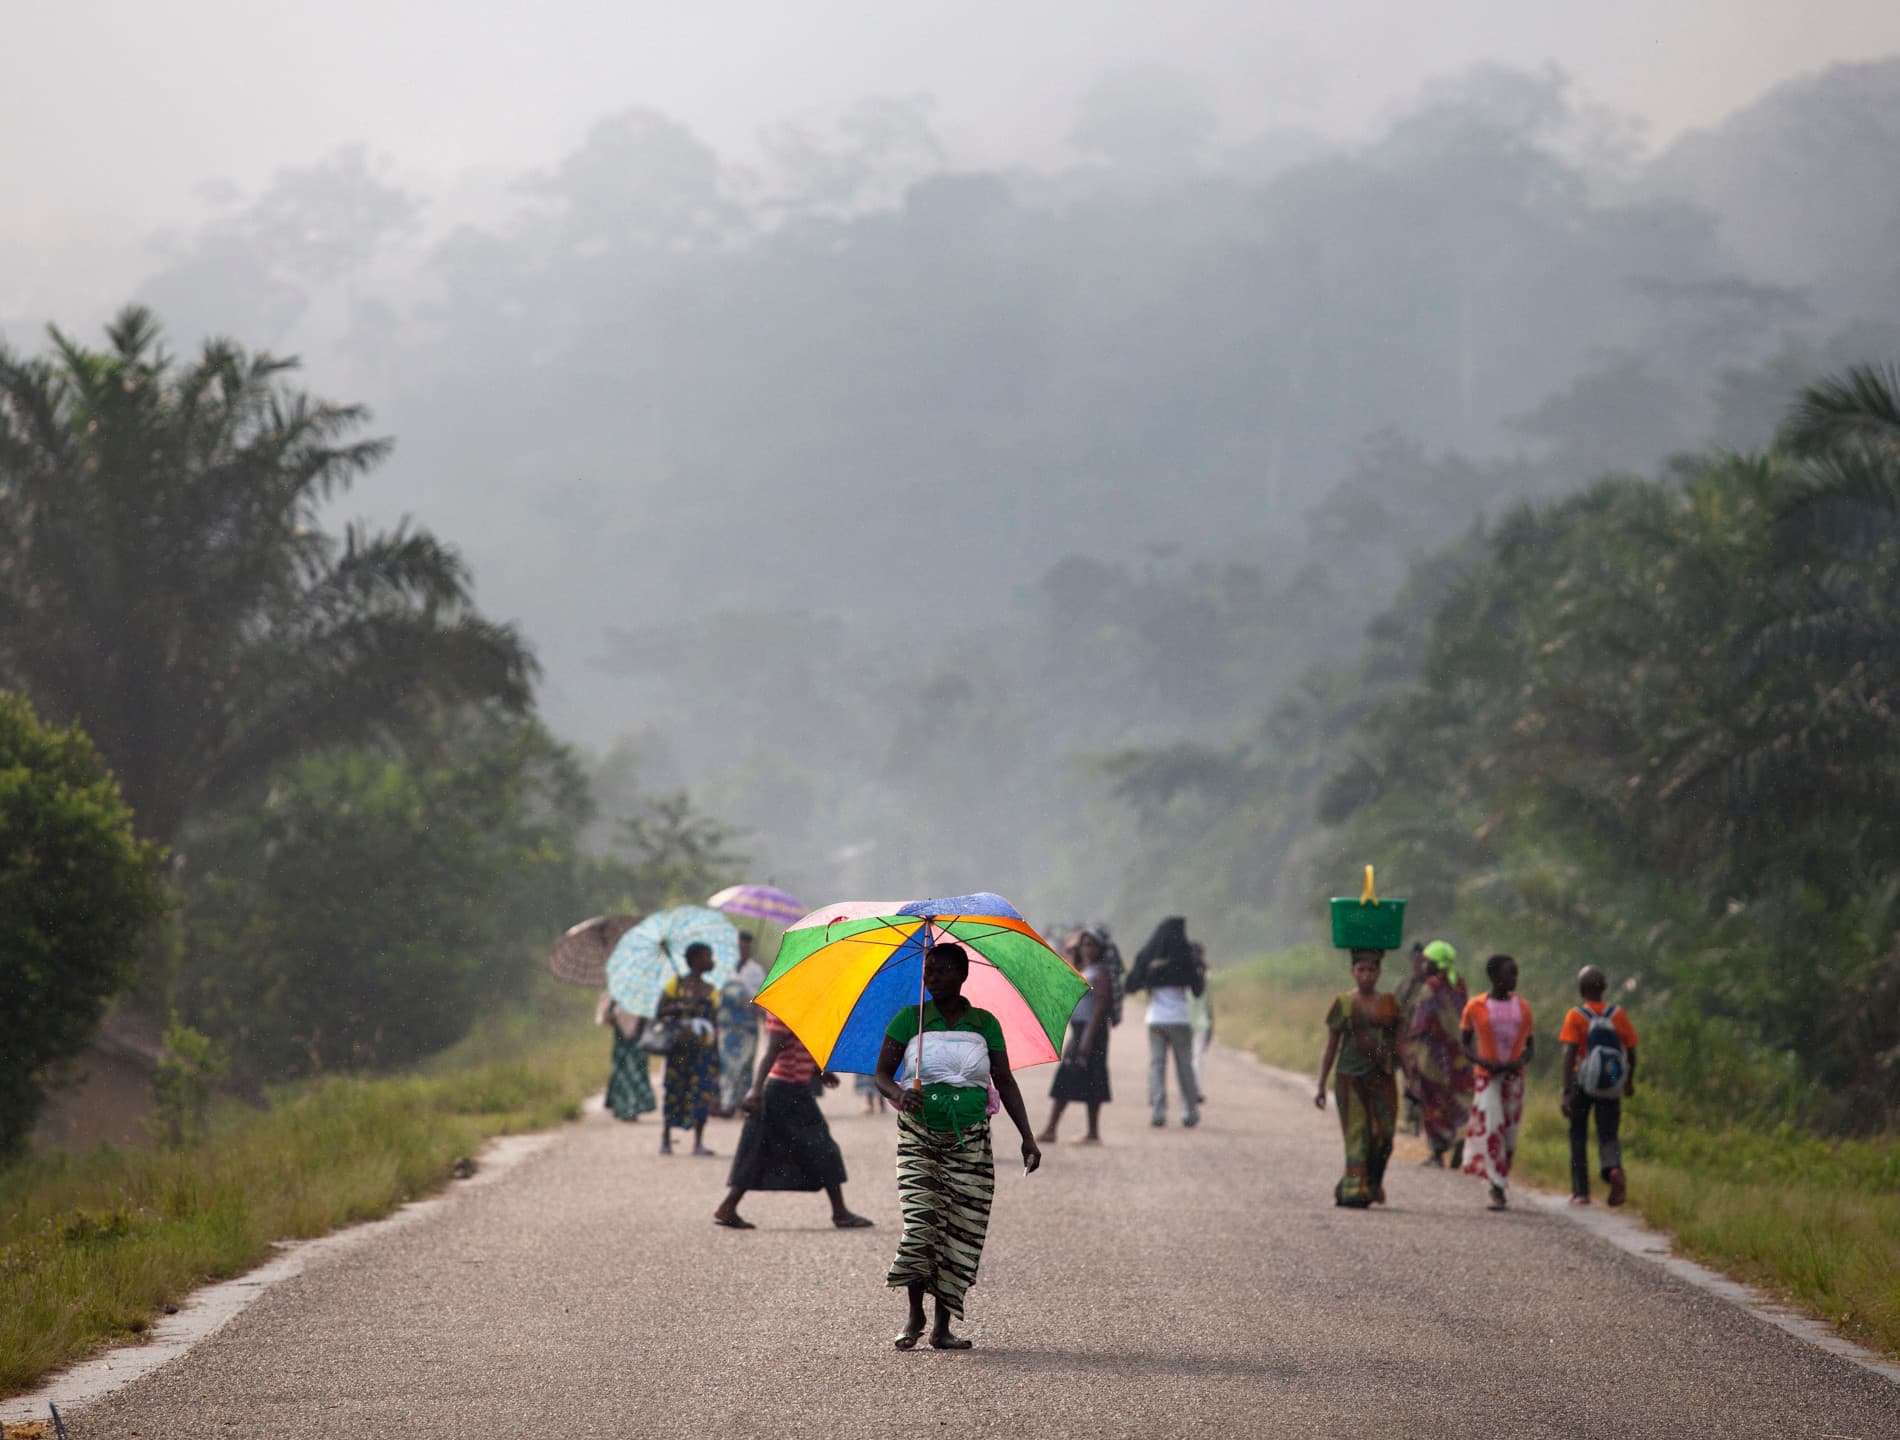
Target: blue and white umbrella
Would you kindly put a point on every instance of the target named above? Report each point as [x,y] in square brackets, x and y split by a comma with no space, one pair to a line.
[654,952]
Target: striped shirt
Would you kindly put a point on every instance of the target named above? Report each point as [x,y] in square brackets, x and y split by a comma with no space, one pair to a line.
[794,1062]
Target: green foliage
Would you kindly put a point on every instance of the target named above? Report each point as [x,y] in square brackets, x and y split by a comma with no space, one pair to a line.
[678,857]
[186,1074]
[377,901]
[165,577]
[78,899]
[1654,729]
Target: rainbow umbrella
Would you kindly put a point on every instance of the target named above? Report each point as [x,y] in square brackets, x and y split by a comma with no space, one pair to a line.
[843,973]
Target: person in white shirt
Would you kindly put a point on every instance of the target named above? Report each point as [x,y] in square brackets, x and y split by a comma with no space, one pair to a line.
[1167,969]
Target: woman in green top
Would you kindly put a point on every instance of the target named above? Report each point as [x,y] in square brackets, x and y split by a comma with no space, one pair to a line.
[1362,1032]
[945,1172]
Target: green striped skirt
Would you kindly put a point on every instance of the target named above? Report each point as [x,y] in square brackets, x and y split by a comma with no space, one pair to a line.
[945,1180]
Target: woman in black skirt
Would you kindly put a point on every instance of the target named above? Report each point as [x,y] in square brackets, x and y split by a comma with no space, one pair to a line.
[786,1144]
[1083,1074]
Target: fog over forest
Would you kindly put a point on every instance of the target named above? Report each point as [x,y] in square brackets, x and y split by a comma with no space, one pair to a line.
[918,515]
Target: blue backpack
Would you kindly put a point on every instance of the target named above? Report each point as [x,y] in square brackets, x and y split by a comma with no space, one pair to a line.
[1605,1064]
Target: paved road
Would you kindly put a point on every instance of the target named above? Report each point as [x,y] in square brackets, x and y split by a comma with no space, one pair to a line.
[1171,1283]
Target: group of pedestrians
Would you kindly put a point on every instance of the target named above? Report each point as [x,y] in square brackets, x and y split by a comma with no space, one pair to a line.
[1172,969]
[1463,1061]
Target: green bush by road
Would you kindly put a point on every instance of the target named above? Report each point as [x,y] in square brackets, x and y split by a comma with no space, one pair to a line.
[92,1247]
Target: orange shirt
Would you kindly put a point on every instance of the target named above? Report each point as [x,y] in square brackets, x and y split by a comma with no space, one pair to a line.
[1577,1029]
[1477,1018]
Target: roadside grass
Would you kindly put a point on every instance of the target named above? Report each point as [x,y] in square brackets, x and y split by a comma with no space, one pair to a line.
[1815,1221]
[92,1247]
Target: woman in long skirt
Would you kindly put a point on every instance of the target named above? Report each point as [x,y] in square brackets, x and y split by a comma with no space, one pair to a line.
[946,1174]
[1362,1033]
[738,1028]
[1436,1068]
[692,1065]
[1497,1040]
[629,1084]
[786,1144]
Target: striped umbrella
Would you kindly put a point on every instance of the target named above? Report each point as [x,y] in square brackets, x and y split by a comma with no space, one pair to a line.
[580,956]
[843,973]
[654,952]
[760,902]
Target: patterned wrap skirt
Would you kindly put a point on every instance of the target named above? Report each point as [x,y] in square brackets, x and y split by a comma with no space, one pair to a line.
[1496,1112]
[945,1181]
[1368,1116]
[630,1087]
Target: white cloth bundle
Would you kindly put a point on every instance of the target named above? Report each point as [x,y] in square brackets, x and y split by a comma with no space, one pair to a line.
[950,1057]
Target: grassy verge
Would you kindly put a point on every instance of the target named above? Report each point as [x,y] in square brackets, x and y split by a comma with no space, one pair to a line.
[93,1246]
[1813,1220]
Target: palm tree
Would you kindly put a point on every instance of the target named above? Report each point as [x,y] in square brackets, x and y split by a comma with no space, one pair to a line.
[165,581]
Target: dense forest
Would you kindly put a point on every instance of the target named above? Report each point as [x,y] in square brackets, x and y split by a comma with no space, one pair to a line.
[1158,532]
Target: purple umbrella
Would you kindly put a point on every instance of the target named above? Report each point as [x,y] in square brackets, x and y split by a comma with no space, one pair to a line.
[761,902]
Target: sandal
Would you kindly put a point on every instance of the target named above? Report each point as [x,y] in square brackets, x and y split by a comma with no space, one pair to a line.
[907,1340]
[950,1342]
[734,1222]
[852,1222]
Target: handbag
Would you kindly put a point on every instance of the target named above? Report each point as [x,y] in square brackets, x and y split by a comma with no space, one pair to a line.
[659,1037]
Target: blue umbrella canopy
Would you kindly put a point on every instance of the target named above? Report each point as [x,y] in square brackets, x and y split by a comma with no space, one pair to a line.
[654,952]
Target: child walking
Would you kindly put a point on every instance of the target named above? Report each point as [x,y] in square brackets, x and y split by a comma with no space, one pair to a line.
[1496,1037]
[1599,1070]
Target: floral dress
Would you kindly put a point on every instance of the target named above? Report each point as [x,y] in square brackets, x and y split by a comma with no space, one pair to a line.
[692,1065]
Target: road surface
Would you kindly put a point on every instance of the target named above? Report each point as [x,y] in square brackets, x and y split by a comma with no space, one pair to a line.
[1170,1283]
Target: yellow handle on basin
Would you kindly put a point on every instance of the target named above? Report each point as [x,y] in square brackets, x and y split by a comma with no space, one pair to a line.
[1366,897]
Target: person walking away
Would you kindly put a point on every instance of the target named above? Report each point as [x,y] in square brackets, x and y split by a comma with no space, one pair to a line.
[738,1028]
[692,1065]
[1362,1034]
[1082,1077]
[1437,1070]
[1495,1034]
[785,1144]
[946,1175]
[1599,1071]
[1409,990]
[629,1083]
[1165,968]
[1201,1023]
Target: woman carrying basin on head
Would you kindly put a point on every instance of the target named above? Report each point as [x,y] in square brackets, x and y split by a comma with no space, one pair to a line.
[946,1174]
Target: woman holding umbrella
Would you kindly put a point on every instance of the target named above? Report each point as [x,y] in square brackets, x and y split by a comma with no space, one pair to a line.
[692,1064]
[945,1172]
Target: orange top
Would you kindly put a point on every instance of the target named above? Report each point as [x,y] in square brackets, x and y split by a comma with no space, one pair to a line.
[1477,1017]
[1577,1029]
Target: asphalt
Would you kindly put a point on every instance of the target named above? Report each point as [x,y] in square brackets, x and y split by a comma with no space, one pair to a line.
[1170,1283]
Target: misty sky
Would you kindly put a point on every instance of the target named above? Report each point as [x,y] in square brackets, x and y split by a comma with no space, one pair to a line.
[116,114]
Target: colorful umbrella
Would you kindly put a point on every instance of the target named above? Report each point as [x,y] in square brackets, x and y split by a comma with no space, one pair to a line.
[761,902]
[844,972]
[654,952]
[580,956]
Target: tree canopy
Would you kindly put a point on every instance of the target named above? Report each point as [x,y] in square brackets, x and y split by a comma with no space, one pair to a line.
[166,578]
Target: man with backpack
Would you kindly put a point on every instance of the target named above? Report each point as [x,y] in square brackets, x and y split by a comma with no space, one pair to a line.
[1599,1070]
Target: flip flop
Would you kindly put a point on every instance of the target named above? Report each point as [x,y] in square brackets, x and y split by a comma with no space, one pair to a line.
[735,1223]
[955,1342]
[908,1339]
[852,1222]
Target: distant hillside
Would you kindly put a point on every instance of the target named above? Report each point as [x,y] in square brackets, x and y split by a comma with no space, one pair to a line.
[1803,184]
